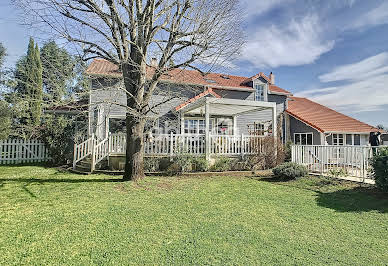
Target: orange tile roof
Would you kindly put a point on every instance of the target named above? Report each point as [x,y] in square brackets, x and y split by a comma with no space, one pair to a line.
[207,92]
[323,118]
[105,68]
[276,89]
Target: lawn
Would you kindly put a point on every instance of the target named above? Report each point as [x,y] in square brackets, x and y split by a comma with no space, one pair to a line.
[51,217]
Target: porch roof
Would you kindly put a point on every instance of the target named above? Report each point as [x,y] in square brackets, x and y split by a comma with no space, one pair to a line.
[226,107]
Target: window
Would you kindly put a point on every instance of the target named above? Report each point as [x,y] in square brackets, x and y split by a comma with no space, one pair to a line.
[260,90]
[257,129]
[218,126]
[338,139]
[196,126]
[349,139]
[357,139]
[303,138]
[224,126]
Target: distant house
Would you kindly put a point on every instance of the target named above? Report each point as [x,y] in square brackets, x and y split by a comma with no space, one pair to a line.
[238,106]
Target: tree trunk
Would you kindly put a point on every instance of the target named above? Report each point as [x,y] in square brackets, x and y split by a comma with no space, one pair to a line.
[134,80]
[134,163]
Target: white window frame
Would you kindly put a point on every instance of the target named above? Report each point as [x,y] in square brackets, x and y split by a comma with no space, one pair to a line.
[345,135]
[212,121]
[264,86]
[300,136]
[338,138]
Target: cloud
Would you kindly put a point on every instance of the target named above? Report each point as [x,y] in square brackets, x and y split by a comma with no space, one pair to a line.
[300,42]
[259,7]
[372,66]
[366,89]
[374,17]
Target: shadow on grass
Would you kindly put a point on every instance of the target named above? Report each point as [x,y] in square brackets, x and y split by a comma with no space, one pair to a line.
[61,180]
[341,196]
[358,199]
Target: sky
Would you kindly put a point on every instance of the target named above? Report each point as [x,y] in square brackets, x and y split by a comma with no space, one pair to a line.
[332,52]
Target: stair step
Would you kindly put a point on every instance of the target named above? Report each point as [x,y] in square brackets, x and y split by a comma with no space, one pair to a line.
[82,168]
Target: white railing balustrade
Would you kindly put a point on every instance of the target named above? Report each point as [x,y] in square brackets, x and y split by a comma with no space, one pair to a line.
[353,160]
[169,145]
[82,150]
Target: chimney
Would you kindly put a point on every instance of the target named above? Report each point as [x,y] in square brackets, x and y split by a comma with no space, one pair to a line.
[272,78]
[154,63]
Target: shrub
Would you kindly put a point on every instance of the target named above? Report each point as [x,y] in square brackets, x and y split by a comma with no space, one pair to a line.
[57,133]
[268,155]
[151,164]
[287,151]
[338,172]
[200,164]
[379,164]
[289,171]
[221,164]
[182,163]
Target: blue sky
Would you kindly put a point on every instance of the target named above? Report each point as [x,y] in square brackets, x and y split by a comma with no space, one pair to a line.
[333,52]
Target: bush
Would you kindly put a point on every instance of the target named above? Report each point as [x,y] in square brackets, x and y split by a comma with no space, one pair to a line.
[182,164]
[151,164]
[379,164]
[58,133]
[289,171]
[268,156]
[200,164]
[221,164]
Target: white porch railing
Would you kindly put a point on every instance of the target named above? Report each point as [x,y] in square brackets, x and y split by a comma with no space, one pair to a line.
[169,145]
[353,160]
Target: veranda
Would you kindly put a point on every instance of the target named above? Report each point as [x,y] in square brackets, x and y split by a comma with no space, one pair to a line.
[207,144]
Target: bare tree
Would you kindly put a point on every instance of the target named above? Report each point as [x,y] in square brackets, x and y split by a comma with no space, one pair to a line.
[179,33]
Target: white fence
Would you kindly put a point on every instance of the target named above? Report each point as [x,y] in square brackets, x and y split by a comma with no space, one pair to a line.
[18,151]
[351,161]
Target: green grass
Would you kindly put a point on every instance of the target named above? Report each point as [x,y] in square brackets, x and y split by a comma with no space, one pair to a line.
[49,217]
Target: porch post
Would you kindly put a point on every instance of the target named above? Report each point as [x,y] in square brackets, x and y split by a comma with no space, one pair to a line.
[207,130]
[274,122]
[235,125]
[182,123]
[274,127]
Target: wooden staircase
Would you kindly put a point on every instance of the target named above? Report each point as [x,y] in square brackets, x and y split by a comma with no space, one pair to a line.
[90,155]
[85,165]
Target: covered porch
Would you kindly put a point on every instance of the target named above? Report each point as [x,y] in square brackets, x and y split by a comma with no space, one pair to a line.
[210,138]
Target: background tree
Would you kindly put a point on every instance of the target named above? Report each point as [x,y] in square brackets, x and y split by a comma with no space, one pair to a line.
[5,119]
[28,92]
[380,126]
[3,53]
[179,33]
[57,65]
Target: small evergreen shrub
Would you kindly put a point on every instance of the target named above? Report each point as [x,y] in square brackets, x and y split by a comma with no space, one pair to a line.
[379,164]
[182,163]
[221,164]
[289,170]
[200,164]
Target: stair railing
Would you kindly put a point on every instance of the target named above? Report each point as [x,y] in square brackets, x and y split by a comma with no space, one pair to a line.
[100,150]
[82,150]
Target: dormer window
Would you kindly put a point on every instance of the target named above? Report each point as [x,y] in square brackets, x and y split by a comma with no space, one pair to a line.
[260,92]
